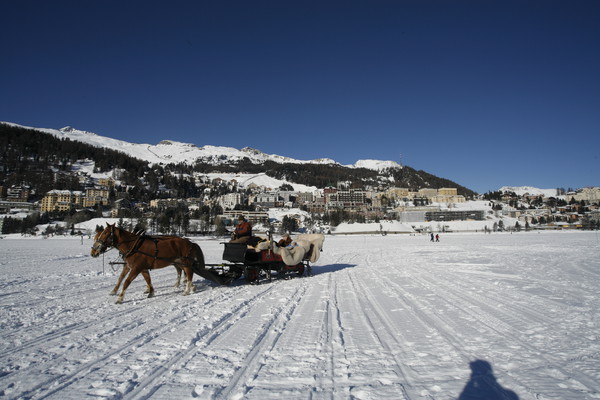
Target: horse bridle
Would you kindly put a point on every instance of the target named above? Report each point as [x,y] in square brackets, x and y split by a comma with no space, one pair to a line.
[102,245]
[111,241]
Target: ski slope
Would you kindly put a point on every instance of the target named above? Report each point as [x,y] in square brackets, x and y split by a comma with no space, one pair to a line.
[475,316]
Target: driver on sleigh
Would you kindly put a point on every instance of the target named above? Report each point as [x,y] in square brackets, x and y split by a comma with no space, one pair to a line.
[242,232]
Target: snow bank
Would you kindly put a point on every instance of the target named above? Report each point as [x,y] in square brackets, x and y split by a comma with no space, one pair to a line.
[374,227]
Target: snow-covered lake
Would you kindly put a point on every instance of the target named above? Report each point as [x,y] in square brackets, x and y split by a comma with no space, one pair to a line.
[474,316]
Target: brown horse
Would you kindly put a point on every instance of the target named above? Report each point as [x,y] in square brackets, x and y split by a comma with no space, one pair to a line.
[126,268]
[143,253]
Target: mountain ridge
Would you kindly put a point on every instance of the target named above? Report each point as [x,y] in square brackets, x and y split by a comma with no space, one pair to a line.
[185,158]
[172,151]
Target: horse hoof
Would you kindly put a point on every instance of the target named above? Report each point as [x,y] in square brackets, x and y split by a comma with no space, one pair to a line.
[150,294]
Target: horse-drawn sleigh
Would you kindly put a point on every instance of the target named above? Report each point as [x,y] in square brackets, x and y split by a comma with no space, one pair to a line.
[141,253]
[266,260]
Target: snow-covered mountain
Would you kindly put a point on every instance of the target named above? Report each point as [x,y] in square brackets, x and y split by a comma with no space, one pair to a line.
[169,151]
[528,190]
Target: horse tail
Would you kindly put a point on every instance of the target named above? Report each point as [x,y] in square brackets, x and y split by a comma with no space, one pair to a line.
[199,267]
[197,257]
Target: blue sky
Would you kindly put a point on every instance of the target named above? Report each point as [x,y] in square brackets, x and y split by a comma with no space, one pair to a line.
[485,93]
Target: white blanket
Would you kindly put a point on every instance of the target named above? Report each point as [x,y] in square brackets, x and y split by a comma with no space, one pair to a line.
[317,240]
[295,253]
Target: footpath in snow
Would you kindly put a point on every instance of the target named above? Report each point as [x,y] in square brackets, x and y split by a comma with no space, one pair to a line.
[475,316]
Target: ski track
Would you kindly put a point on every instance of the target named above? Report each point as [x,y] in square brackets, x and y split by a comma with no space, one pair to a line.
[392,317]
[506,317]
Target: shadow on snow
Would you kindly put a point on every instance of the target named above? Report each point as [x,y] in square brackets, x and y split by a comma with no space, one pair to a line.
[483,384]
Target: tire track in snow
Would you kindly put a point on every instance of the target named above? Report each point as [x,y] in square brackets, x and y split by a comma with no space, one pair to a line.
[300,354]
[482,314]
[264,343]
[345,335]
[510,325]
[61,382]
[57,334]
[334,364]
[155,378]
[515,311]
[55,384]
[68,329]
[380,330]
[453,329]
[235,332]
[78,298]
[408,333]
[496,311]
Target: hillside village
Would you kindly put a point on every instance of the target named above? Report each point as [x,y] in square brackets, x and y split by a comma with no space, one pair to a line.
[224,198]
[57,180]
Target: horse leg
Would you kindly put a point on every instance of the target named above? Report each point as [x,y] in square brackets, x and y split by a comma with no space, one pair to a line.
[189,286]
[133,273]
[178,281]
[149,288]
[124,272]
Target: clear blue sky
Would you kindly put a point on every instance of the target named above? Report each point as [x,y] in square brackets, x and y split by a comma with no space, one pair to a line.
[486,93]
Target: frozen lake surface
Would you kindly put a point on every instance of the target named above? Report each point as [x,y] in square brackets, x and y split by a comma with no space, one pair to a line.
[474,316]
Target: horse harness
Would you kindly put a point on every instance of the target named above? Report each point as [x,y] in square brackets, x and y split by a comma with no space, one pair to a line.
[135,249]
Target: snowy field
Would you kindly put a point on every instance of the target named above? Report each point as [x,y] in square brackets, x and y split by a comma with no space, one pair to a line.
[474,316]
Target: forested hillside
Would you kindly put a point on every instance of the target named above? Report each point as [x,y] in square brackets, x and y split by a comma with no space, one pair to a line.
[45,162]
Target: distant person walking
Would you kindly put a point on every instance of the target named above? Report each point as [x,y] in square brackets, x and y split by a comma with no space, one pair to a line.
[432,236]
[437,238]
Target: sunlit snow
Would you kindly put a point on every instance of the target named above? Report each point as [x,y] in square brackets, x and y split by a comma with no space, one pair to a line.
[477,316]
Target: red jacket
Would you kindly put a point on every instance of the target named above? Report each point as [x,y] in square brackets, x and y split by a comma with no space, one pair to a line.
[243,229]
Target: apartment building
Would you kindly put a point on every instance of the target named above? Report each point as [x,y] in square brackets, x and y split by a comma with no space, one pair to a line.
[165,203]
[268,200]
[106,182]
[96,196]
[254,217]
[65,200]
[17,193]
[352,198]
[447,191]
[61,200]
[230,200]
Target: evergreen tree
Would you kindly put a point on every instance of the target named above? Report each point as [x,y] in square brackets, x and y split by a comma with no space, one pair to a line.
[220,229]
[288,225]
